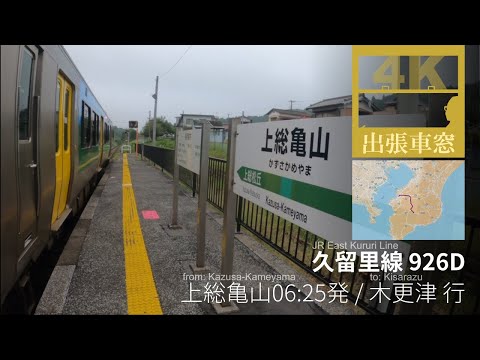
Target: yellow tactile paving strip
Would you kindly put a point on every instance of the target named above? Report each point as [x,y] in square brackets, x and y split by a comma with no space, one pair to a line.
[142,296]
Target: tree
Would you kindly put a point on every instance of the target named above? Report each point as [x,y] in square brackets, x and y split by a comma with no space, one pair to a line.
[118,133]
[163,128]
[133,134]
[216,122]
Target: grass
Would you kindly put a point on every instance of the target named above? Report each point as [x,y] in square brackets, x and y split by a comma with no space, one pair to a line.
[217,150]
[163,143]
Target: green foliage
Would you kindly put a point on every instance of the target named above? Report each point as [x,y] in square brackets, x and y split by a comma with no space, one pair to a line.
[120,134]
[166,143]
[133,134]
[163,128]
[218,150]
[217,122]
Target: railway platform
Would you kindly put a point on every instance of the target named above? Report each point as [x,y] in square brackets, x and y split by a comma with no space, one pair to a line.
[122,257]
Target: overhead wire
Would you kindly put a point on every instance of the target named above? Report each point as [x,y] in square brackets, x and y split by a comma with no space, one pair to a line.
[181,57]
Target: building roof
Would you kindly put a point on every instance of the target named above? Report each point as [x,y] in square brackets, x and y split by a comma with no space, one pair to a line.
[366,105]
[242,118]
[196,116]
[295,112]
[340,100]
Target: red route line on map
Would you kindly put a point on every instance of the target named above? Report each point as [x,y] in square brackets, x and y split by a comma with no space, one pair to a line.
[411,205]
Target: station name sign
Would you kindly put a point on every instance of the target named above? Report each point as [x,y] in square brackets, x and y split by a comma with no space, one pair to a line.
[300,170]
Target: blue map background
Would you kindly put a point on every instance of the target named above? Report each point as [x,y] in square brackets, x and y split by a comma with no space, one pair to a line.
[450,226]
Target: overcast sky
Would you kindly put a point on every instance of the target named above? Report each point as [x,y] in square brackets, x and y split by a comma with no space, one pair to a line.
[216,80]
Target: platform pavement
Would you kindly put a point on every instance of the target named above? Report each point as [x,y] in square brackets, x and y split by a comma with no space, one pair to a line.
[90,275]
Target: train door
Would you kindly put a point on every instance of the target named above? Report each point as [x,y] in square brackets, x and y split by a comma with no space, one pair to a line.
[63,128]
[27,119]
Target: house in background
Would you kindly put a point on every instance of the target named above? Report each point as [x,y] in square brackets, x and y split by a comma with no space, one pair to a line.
[339,106]
[342,106]
[386,105]
[279,114]
[243,120]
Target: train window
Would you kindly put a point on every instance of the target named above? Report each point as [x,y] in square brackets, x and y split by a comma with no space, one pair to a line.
[98,129]
[94,129]
[65,119]
[57,115]
[86,126]
[95,136]
[103,128]
[105,131]
[24,95]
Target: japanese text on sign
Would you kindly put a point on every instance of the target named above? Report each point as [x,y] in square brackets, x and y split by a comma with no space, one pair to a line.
[402,143]
[298,143]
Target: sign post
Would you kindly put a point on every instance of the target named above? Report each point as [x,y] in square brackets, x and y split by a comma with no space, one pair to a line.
[202,200]
[189,148]
[187,155]
[228,221]
[136,146]
[174,223]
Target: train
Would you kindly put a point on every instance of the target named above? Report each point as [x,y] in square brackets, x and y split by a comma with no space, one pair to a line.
[56,139]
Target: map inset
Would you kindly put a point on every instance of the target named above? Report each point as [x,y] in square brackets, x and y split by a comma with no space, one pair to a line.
[408,200]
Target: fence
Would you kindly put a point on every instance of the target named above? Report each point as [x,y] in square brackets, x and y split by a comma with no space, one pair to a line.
[296,243]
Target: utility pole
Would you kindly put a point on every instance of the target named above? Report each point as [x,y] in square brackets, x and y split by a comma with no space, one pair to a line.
[155,113]
[291,103]
[150,123]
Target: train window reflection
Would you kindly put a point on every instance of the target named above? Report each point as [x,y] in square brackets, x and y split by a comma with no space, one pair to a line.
[86,126]
[57,114]
[65,119]
[24,95]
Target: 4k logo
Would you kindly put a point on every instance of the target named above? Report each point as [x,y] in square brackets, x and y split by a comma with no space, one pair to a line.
[408,101]
[389,73]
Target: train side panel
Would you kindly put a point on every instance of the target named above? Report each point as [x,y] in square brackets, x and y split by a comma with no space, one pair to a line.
[9,68]
[45,152]
[17,248]
[28,162]
[85,160]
